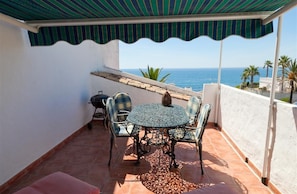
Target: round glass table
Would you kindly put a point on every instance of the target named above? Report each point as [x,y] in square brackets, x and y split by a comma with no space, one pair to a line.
[158,116]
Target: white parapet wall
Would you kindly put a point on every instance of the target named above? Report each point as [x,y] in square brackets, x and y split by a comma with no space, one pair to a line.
[244,117]
[139,96]
[44,94]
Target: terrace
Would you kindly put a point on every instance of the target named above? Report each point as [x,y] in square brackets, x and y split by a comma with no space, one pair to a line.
[85,153]
[86,156]
[44,94]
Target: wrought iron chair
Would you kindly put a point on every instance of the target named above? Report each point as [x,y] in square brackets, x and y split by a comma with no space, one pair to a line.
[123,104]
[192,109]
[191,134]
[119,128]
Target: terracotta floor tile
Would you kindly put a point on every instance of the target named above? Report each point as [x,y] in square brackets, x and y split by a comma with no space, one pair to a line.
[86,158]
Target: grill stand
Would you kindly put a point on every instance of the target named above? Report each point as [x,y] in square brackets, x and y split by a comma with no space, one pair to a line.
[98,101]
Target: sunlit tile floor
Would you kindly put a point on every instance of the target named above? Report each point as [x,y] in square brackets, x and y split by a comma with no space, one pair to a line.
[86,158]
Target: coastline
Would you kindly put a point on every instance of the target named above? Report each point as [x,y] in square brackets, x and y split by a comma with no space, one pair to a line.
[194,78]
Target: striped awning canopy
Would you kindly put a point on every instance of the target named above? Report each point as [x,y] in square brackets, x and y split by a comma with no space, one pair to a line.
[74,21]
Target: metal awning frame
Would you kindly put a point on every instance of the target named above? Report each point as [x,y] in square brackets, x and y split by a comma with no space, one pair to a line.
[151,19]
[271,128]
[271,124]
[33,26]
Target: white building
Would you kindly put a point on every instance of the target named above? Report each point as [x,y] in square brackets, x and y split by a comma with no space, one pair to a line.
[266,82]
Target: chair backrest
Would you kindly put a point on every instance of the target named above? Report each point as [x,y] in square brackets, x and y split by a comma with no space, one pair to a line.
[123,105]
[123,101]
[192,108]
[112,117]
[202,121]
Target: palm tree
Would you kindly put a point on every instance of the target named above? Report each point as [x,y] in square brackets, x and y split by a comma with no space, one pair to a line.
[154,74]
[252,71]
[245,76]
[283,62]
[292,76]
[267,65]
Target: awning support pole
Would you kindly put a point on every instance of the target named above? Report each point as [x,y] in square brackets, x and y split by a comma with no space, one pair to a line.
[271,126]
[18,23]
[279,12]
[149,19]
[219,85]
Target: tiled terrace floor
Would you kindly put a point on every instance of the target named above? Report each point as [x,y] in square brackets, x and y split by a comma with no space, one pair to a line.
[86,157]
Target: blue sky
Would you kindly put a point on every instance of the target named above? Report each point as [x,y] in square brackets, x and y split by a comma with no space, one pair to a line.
[204,52]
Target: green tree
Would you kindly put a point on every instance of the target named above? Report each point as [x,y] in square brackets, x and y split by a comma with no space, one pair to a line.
[251,71]
[283,62]
[292,76]
[154,74]
[267,65]
[245,76]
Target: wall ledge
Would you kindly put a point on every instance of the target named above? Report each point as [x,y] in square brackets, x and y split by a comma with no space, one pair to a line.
[148,85]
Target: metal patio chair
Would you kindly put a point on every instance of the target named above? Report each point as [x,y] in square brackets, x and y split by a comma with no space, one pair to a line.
[191,134]
[123,104]
[192,109]
[119,128]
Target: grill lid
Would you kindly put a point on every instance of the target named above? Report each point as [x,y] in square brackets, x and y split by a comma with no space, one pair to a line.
[99,100]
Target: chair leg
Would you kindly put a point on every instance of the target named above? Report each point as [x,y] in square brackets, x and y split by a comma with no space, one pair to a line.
[136,144]
[106,122]
[200,156]
[110,149]
[172,154]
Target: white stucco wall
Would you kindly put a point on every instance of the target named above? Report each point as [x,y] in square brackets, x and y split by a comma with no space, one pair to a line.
[210,97]
[44,94]
[244,116]
[284,158]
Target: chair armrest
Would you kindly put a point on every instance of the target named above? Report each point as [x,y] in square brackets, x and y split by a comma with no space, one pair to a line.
[189,128]
[122,115]
[123,112]
[125,123]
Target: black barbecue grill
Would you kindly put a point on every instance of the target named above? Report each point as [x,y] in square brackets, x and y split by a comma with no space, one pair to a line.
[98,101]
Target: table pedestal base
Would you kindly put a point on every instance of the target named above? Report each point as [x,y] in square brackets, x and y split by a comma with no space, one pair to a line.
[161,179]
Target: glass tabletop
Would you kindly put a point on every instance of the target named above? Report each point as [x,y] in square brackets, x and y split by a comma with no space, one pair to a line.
[158,116]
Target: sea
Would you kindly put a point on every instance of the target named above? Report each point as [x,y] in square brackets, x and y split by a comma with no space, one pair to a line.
[194,78]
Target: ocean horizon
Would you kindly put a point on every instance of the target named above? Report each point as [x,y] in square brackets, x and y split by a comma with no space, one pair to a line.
[194,78]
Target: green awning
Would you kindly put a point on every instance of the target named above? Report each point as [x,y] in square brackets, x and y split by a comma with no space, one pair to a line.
[159,32]
[129,20]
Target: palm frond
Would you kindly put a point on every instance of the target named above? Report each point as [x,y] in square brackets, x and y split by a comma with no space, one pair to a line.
[154,73]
